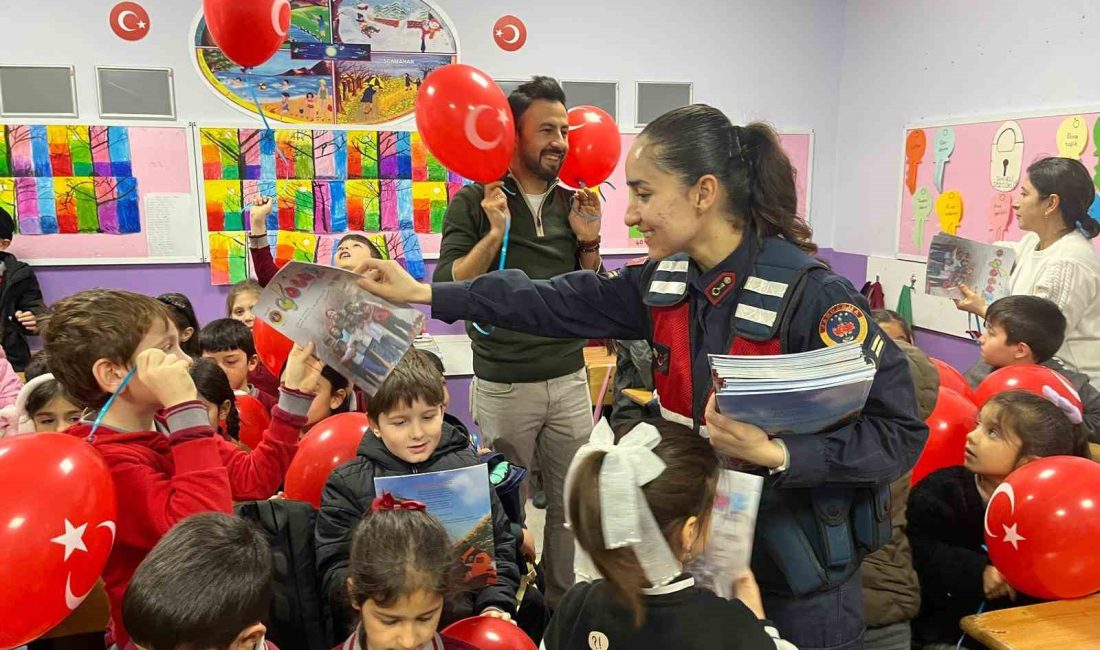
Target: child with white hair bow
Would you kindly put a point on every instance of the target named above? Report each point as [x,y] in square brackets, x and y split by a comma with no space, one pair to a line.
[639,510]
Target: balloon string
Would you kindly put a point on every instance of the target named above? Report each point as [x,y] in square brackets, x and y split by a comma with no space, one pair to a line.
[110,400]
[503,258]
[263,115]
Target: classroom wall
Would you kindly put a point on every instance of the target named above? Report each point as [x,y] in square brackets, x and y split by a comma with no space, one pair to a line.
[929,59]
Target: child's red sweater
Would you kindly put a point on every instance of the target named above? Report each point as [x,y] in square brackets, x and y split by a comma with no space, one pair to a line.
[161,479]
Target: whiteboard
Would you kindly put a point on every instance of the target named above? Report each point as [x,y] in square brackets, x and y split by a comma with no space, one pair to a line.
[929,312]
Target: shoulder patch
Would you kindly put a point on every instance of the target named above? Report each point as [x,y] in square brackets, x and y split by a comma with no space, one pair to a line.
[843,323]
[637,261]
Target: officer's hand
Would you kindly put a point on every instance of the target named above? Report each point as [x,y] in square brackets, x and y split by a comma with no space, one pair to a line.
[387,279]
[495,205]
[971,302]
[740,440]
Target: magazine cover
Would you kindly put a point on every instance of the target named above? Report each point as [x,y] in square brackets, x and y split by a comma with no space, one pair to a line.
[460,499]
[733,525]
[356,332]
[953,261]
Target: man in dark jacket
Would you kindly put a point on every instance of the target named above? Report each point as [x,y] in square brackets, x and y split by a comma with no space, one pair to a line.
[408,436]
[21,303]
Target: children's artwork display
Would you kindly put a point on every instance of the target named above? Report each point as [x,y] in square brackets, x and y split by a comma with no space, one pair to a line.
[343,61]
[355,332]
[962,177]
[77,191]
[384,184]
[459,499]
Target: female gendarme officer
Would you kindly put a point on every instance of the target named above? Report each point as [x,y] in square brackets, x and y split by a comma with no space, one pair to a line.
[730,271]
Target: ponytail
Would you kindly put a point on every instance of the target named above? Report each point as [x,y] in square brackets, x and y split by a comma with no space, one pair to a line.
[213,386]
[684,489]
[748,162]
[233,422]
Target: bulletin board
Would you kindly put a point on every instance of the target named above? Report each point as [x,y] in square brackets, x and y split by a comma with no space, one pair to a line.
[962,176]
[99,193]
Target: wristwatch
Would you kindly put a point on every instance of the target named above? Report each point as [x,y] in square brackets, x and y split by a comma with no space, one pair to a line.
[786,458]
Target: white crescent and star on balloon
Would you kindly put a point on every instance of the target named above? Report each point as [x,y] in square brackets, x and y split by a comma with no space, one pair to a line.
[73,540]
[1011,534]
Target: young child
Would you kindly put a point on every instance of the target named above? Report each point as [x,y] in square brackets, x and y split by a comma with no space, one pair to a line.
[408,436]
[401,571]
[229,343]
[670,476]
[332,398]
[1028,330]
[947,509]
[894,325]
[351,250]
[219,399]
[242,299]
[21,303]
[207,584]
[119,352]
[187,324]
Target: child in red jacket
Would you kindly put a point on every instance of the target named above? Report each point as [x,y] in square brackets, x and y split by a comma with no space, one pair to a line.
[154,433]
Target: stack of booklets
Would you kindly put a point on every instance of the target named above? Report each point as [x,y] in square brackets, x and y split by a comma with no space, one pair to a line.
[808,392]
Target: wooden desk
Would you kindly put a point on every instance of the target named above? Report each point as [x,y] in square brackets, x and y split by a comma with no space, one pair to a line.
[638,396]
[601,373]
[1059,625]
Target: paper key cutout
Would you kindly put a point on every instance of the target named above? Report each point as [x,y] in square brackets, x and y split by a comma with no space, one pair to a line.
[1000,213]
[945,146]
[1096,142]
[1007,157]
[949,207]
[915,144]
[922,208]
[1073,137]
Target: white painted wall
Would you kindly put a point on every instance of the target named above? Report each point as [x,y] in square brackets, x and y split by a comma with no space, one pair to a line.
[773,59]
[914,60]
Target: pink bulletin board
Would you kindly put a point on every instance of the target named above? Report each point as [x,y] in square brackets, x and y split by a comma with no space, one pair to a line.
[983,153]
[161,164]
[616,236]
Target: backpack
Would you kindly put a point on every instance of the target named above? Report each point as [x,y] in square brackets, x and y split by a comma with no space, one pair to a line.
[299,615]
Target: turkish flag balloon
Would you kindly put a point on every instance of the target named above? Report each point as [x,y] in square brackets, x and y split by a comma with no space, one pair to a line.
[487,633]
[953,379]
[1041,528]
[953,418]
[1030,378]
[464,119]
[254,419]
[594,147]
[272,347]
[329,443]
[249,32]
[57,527]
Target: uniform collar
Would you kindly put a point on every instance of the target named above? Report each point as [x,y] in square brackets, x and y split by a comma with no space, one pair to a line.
[685,581]
[720,282]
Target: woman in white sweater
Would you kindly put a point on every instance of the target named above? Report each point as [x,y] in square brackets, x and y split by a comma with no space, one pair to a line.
[1055,259]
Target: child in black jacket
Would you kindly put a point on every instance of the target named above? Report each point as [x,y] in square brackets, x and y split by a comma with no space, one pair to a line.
[21,304]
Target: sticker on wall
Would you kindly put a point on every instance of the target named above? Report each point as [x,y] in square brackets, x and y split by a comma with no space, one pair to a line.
[915,144]
[129,21]
[1000,212]
[949,208]
[1073,137]
[509,33]
[945,146]
[922,208]
[1007,157]
[344,61]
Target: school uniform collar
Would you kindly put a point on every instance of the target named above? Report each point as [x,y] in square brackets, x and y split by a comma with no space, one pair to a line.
[685,581]
[353,642]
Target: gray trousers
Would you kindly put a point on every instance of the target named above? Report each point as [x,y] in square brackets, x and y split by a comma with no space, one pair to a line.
[888,637]
[554,417]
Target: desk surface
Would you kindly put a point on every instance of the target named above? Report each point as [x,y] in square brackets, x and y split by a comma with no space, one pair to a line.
[1059,625]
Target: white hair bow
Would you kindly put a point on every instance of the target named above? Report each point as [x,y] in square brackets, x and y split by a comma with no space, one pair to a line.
[626,517]
[1068,407]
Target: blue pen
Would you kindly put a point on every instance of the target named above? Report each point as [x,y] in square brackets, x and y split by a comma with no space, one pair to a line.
[110,400]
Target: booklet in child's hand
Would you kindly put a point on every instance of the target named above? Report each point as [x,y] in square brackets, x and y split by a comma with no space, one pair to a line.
[354,331]
[954,261]
[459,498]
[729,548]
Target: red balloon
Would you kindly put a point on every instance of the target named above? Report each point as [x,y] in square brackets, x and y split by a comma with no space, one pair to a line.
[488,633]
[953,418]
[1041,528]
[330,443]
[272,347]
[57,527]
[464,120]
[248,32]
[254,420]
[1030,378]
[594,147]
[953,379]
